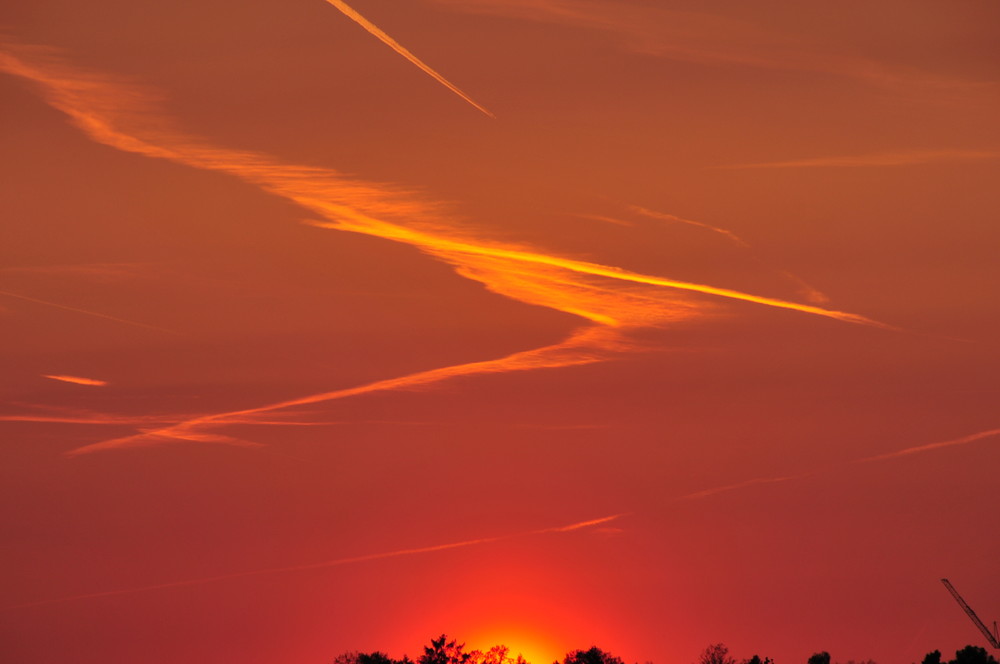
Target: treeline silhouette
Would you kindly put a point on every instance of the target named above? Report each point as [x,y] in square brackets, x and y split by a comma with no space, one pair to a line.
[443,650]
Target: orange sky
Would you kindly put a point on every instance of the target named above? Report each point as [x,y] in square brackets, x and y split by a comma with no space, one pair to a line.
[640,324]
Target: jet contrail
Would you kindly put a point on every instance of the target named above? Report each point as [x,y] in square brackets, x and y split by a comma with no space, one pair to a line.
[756,481]
[964,440]
[572,351]
[320,565]
[98,419]
[398,48]
[705,493]
[88,313]
[76,380]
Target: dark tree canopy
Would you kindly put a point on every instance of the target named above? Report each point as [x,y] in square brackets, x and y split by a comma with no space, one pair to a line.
[967,655]
[443,651]
[593,656]
[369,658]
[757,659]
[496,655]
[973,655]
[717,653]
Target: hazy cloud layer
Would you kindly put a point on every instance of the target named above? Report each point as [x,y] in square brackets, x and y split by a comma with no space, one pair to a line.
[703,37]
[907,158]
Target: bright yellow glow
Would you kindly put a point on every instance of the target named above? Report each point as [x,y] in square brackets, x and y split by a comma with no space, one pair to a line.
[535,648]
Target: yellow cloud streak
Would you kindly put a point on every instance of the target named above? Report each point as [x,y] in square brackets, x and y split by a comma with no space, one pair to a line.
[447,248]
[76,380]
[348,204]
[321,565]
[348,11]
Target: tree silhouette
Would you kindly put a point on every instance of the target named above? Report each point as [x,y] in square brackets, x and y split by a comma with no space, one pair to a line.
[967,655]
[973,655]
[593,656]
[756,659]
[716,653]
[369,658]
[443,651]
[496,655]
[932,658]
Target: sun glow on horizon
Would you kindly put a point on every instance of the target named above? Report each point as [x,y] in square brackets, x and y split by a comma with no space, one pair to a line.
[533,647]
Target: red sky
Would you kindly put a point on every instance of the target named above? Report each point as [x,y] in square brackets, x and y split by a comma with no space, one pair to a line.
[305,351]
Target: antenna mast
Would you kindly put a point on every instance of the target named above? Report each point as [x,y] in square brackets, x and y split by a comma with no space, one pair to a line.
[993,637]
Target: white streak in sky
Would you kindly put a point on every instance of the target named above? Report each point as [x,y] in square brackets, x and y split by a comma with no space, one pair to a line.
[398,48]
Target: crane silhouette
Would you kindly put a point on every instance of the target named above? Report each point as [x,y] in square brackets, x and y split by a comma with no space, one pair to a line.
[994,636]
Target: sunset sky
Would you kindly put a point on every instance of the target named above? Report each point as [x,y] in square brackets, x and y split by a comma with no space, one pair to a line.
[645,324]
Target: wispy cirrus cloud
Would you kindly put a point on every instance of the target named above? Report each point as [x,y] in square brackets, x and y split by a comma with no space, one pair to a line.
[337,562]
[703,37]
[352,14]
[95,271]
[653,214]
[876,159]
[612,299]
[77,380]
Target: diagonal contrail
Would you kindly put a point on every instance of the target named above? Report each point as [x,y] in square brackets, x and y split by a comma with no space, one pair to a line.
[320,565]
[906,451]
[348,11]
[87,313]
[964,440]
[580,348]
